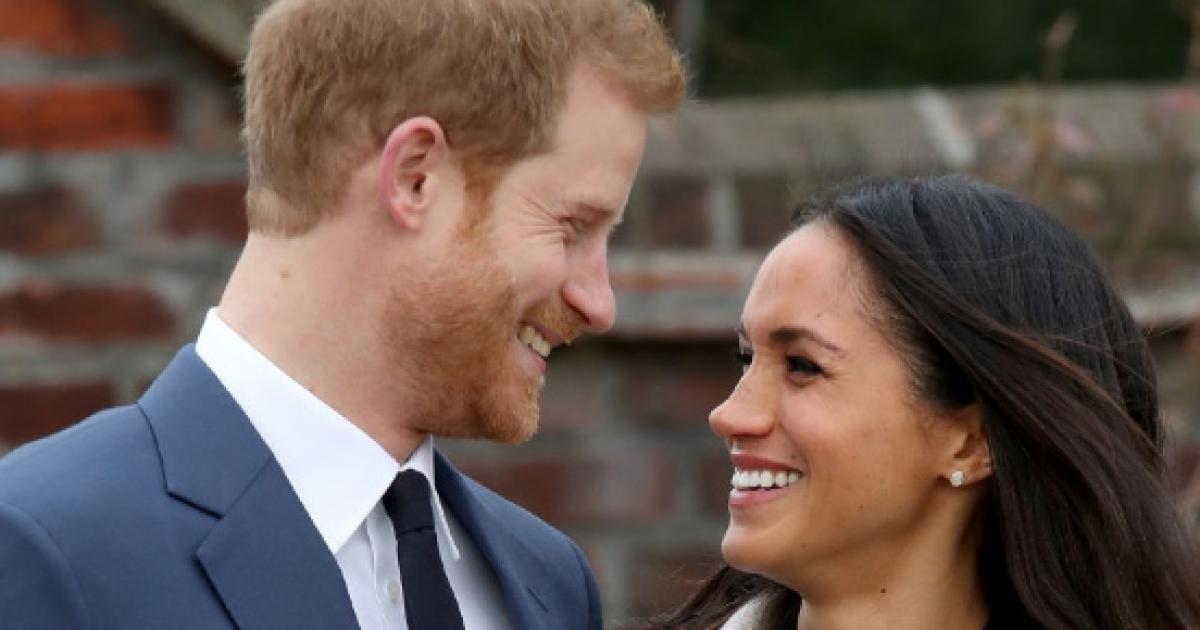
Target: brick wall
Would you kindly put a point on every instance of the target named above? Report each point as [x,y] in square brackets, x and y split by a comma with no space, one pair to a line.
[121,215]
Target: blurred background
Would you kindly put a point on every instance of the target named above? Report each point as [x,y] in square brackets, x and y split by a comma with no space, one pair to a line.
[121,185]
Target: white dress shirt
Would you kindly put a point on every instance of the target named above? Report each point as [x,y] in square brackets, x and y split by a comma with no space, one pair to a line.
[748,617]
[340,474]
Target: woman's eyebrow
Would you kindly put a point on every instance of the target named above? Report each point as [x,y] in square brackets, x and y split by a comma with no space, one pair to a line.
[785,335]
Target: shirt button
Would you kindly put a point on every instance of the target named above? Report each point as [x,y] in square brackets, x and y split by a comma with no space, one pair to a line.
[394,592]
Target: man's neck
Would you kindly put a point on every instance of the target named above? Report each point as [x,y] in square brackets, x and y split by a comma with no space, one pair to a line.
[307,319]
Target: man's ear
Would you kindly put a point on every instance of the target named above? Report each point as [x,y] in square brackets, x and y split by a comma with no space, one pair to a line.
[414,150]
[967,459]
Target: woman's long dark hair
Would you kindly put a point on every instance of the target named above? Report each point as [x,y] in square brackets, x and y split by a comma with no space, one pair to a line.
[994,303]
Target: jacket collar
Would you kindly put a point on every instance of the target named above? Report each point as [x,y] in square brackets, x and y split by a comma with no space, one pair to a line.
[266,560]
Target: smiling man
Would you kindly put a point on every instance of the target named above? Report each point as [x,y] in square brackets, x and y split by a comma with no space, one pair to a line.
[432,186]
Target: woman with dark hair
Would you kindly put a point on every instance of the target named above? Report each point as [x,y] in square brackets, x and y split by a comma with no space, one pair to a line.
[947,420]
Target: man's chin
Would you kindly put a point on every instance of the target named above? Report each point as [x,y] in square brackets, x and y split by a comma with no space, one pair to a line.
[515,434]
[515,423]
[512,422]
[502,431]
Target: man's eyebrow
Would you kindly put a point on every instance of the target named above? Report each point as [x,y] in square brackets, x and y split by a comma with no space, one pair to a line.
[598,211]
[785,335]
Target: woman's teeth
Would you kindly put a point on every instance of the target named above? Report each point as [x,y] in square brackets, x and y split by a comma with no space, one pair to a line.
[531,338]
[764,479]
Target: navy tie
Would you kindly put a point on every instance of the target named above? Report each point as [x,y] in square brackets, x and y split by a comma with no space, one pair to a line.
[429,602]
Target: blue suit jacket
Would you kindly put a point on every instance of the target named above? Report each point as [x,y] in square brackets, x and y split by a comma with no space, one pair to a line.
[172,514]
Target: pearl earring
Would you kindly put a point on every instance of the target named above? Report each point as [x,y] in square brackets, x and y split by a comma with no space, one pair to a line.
[958,478]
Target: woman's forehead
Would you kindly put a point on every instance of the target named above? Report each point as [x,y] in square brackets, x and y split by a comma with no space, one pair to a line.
[811,278]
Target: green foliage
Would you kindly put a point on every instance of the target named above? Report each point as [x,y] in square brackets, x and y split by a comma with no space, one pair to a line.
[763,46]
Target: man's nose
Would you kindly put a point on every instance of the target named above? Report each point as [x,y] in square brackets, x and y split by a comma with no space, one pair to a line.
[589,292]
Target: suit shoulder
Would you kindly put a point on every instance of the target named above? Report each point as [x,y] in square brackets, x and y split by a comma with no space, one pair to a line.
[100,457]
[38,591]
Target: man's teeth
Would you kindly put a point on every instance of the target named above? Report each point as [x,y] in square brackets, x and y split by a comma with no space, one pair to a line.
[764,479]
[531,338]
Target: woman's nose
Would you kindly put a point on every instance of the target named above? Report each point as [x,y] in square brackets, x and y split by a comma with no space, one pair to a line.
[744,414]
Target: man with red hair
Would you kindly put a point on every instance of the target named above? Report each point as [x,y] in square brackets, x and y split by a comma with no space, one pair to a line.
[431,190]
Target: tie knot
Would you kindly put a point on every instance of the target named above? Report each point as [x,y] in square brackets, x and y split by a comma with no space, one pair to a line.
[407,502]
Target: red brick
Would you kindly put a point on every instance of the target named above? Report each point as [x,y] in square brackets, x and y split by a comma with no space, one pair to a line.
[678,215]
[216,122]
[571,400]
[713,473]
[651,280]
[766,205]
[82,116]
[88,314]
[664,579]
[45,221]
[571,491]
[28,412]
[65,28]
[215,210]
[678,385]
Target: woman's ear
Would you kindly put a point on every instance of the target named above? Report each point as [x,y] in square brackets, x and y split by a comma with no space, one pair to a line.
[967,459]
[414,151]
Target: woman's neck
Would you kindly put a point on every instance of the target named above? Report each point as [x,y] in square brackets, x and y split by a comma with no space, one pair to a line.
[898,611]
[930,580]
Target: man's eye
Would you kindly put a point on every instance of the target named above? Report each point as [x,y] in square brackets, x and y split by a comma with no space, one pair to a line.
[574,228]
[804,366]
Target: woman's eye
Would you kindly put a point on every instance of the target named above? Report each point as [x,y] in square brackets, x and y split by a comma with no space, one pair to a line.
[744,358]
[803,366]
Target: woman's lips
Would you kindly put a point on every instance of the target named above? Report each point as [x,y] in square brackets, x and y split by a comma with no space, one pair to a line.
[747,498]
[758,479]
[747,461]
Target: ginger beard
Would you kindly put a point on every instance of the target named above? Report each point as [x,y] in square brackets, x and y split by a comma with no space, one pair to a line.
[453,335]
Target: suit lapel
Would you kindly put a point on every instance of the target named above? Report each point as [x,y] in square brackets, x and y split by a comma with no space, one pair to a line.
[517,566]
[264,557]
[269,564]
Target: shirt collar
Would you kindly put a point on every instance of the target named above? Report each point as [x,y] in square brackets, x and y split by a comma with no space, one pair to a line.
[338,472]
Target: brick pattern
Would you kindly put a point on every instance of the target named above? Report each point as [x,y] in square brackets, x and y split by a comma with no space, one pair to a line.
[46,221]
[713,473]
[678,385]
[33,410]
[86,116]
[60,28]
[679,212]
[59,313]
[124,169]
[572,400]
[766,204]
[207,210]
[573,491]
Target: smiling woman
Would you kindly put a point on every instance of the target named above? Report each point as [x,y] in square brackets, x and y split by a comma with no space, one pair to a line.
[947,419]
